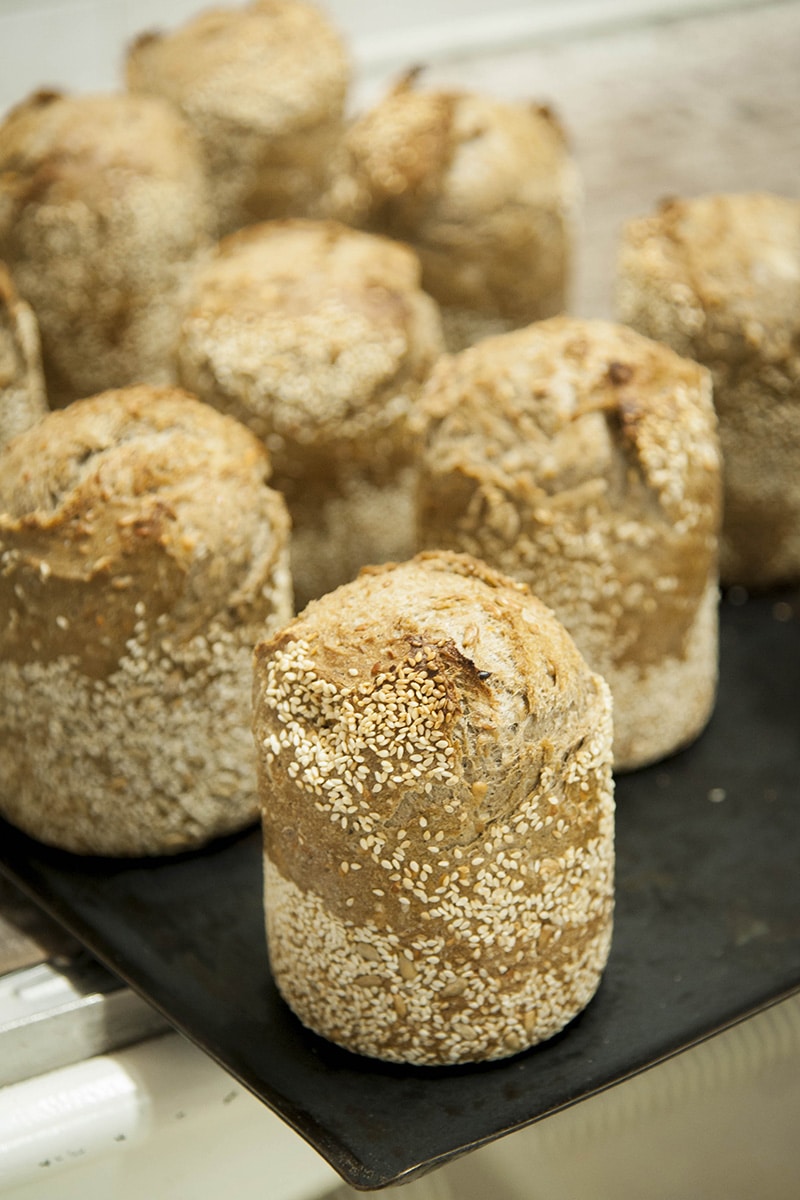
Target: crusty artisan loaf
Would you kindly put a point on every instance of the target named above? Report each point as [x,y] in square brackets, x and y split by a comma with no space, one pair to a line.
[718,279]
[22,394]
[582,458]
[264,86]
[103,203]
[318,337]
[140,549]
[484,190]
[435,772]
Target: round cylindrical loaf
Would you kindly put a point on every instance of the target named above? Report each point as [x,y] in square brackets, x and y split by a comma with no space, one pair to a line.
[718,279]
[582,458]
[318,337]
[435,773]
[22,393]
[264,86]
[103,202]
[484,190]
[141,554]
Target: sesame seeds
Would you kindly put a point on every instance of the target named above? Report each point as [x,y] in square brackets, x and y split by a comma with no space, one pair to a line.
[415,1007]
[180,764]
[475,920]
[125,727]
[347,723]
[327,379]
[615,500]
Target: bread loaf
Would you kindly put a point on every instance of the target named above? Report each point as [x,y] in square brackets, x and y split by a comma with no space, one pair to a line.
[582,458]
[264,86]
[22,394]
[140,551]
[103,202]
[318,338]
[485,191]
[718,279]
[435,773]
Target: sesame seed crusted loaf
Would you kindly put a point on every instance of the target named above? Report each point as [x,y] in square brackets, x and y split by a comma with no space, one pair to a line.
[103,202]
[484,190]
[264,86]
[318,338]
[582,458]
[718,279]
[141,552]
[434,765]
[22,394]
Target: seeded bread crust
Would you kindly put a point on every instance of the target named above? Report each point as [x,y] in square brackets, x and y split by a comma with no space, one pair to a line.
[141,554]
[582,458]
[718,279]
[103,203]
[485,191]
[434,765]
[318,338]
[22,394]
[264,86]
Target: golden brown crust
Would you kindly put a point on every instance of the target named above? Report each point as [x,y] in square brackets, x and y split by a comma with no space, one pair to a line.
[582,458]
[142,553]
[22,394]
[103,202]
[485,192]
[264,86]
[319,337]
[437,806]
[717,278]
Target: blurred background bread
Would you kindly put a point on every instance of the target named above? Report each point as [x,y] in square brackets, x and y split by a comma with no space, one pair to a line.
[318,337]
[435,768]
[103,203]
[142,555]
[22,393]
[582,458]
[264,86]
[485,191]
[717,277]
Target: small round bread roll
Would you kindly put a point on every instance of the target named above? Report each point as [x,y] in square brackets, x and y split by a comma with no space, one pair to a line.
[435,767]
[484,190]
[318,338]
[141,554]
[582,458]
[718,279]
[22,394]
[103,203]
[264,86]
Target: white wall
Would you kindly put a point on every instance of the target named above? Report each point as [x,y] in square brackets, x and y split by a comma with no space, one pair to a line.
[79,44]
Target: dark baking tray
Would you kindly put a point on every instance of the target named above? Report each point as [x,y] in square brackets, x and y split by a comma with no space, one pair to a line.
[707,932]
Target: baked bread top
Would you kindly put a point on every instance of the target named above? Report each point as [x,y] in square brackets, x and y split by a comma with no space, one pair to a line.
[311,333]
[103,203]
[22,393]
[481,187]
[719,274]
[274,66]
[57,149]
[139,503]
[416,703]
[582,457]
